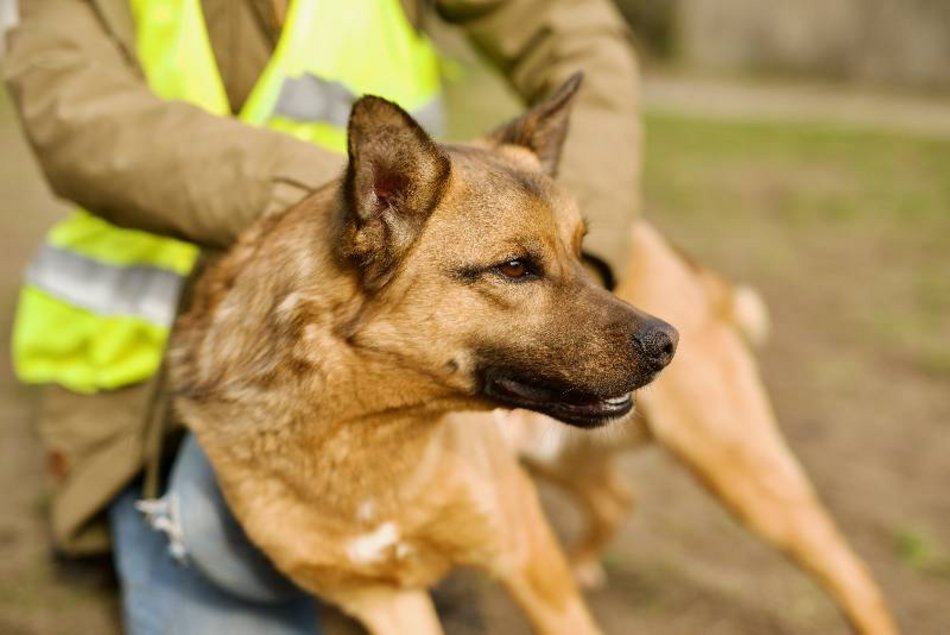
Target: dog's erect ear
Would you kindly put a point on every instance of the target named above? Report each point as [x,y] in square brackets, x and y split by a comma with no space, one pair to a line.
[396,176]
[543,128]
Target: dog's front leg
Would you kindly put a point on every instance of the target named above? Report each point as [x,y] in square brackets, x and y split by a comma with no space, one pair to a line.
[392,611]
[535,571]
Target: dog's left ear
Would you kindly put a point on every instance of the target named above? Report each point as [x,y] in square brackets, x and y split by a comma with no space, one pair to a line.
[543,128]
[395,178]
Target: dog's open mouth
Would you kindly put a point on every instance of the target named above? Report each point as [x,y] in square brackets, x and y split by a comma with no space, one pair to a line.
[577,408]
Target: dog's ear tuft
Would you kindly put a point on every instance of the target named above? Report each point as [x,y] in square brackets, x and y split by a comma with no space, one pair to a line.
[544,127]
[395,178]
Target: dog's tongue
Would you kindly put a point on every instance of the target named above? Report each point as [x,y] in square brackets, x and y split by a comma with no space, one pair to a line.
[517,389]
[538,394]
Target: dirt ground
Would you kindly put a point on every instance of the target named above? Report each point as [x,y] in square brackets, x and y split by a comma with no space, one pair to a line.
[847,234]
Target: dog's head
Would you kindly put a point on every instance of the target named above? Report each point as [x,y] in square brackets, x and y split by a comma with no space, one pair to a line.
[470,260]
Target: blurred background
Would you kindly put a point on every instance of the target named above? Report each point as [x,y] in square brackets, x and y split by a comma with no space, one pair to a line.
[802,146]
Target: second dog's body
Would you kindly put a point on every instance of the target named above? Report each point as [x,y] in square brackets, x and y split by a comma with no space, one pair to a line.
[711,411]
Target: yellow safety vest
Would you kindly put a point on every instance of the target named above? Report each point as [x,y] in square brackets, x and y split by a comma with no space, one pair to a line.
[98,302]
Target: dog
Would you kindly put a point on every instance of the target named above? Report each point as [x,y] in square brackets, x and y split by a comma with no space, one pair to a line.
[320,353]
[710,410]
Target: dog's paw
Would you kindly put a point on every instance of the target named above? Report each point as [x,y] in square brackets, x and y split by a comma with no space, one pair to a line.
[590,574]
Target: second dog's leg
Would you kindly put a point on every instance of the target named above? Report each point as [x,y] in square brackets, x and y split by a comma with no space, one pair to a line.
[592,481]
[608,502]
[536,573]
[720,425]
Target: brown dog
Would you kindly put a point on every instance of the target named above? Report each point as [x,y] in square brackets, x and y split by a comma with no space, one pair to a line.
[321,352]
[711,411]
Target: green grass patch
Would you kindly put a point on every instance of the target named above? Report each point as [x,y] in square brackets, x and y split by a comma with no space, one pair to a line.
[919,551]
[799,170]
[862,216]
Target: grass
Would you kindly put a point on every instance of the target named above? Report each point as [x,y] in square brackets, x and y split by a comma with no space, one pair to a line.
[920,551]
[873,205]
[815,171]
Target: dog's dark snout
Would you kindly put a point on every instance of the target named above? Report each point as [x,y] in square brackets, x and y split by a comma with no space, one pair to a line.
[656,341]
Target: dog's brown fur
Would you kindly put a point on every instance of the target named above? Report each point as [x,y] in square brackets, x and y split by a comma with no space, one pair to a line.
[711,411]
[321,352]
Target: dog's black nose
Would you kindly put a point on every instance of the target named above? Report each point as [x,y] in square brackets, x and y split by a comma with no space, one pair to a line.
[656,341]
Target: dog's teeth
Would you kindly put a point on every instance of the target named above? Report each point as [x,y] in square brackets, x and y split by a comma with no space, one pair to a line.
[614,401]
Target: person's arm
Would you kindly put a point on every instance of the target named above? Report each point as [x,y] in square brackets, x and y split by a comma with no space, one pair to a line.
[538,44]
[106,142]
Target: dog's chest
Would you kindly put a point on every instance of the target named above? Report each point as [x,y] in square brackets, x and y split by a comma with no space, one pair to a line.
[385,552]
[378,540]
[418,545]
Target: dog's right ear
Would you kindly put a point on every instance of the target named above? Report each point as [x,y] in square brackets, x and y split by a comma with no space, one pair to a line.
[395,178]
[543,128]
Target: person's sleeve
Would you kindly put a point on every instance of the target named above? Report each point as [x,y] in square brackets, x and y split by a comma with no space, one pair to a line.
[106,142]
[538,44]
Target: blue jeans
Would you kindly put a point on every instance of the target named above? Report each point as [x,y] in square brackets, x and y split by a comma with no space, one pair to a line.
[185,566]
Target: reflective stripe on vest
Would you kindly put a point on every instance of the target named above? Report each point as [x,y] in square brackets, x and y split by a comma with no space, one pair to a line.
[311,99]
[98,301]
[149,293]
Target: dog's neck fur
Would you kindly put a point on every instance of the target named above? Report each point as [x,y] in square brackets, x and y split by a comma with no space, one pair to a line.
[305,346]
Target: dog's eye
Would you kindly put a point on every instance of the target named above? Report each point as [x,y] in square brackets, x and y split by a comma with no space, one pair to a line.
[515,269]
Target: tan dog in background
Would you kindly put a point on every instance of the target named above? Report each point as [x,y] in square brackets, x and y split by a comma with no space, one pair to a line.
[711,411]
[321,351]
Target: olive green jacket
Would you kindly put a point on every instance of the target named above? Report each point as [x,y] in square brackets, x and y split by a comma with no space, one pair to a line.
[106,142]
